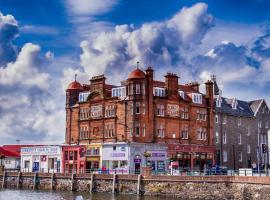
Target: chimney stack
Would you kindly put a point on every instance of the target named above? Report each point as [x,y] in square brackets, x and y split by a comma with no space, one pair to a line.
[171,83]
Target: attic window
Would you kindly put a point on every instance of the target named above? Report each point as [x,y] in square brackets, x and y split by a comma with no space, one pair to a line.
[196,98]
[119,92]
[182,94]
[83,96]
[234,103]
[159,91]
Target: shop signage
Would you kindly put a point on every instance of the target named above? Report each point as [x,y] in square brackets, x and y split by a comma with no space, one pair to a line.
[45,150]
[137,159]
[118,155]
[158,155]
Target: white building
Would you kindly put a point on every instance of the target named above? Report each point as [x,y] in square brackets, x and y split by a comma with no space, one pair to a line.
[10,160]
[41,159]
[124,158]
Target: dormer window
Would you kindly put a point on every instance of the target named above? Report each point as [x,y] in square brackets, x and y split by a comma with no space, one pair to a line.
[160,92]
[218,101]
[83,96]
[234,103]
[119,92]
[182,94]
[196,98]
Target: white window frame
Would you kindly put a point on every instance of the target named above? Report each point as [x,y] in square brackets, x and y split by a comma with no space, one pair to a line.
[225,156]
[240,138]
[196,98]
[119,92]
[240,156]
[224,138]
[216,119]
[182,94]
[158,91]
[138,89]
[83,96]
[248,149]
[239,122]
[217,137]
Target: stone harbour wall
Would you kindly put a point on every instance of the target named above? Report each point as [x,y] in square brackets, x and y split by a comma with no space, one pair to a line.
[182,187]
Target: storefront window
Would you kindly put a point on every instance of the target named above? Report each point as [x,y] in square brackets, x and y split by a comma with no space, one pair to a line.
[66,155]
[123,163]
[71,155]
[160,166]
[26,164]
[115,164]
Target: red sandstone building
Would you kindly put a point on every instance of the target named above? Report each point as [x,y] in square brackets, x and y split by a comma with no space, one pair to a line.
[143,110]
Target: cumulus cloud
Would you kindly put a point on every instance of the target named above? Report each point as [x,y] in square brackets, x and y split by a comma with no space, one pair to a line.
[29,110]
[8,32]
[24,70]
[160,44]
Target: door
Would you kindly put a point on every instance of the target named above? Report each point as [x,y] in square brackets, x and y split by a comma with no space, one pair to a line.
[137,168]
[35,166]
[88,167]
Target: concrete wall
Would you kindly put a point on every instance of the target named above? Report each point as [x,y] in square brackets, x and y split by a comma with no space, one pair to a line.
[184,187]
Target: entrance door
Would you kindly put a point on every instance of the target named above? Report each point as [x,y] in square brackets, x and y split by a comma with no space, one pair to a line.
[88,167]
[35,166]
[137,168]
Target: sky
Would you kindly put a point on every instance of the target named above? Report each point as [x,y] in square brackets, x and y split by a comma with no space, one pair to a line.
[44,43]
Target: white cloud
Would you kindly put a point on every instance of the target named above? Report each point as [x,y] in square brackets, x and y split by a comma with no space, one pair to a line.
[90,7]
[8,32]
[158,43]
[39,30]
[25,69]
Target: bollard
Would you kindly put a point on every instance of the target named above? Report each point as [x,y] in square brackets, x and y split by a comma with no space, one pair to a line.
[114,180]
[139,185]
[35,181]
[91,183]
[72,181]
[52,181]
[4,179]
[19,180]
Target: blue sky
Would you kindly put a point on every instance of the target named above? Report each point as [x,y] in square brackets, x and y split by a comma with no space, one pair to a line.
[44,43]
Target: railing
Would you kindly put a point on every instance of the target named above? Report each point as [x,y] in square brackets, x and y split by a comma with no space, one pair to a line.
[210,172]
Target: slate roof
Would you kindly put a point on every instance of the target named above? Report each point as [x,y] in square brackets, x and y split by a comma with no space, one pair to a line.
[243,108]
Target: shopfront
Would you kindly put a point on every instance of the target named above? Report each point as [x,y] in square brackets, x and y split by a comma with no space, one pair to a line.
[73,159]
[154,155]
[115,157]
[188,157]
[92,157]
[41,159]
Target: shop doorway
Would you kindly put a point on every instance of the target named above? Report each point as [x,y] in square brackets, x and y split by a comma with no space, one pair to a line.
[137,168]
[88,167]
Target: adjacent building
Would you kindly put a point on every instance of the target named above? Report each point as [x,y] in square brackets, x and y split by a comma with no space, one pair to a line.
[143,110]
[241,129]
[41,159]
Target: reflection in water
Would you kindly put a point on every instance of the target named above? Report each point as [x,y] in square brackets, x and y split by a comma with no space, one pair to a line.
[41,195]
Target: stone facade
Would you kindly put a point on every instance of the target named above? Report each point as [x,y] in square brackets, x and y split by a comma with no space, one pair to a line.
[241,127]
[144,110]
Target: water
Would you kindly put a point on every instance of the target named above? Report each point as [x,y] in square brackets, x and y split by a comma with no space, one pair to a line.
[40,195]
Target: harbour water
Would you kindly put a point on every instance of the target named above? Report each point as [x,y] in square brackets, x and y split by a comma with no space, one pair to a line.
[7,194]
